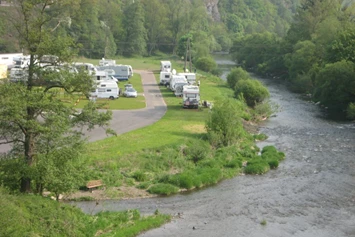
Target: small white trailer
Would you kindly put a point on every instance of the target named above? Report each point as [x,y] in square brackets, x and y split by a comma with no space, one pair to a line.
[105,90]
[165,66]
[191,96]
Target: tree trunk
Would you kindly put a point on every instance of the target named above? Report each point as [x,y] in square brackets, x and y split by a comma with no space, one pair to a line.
[29,151]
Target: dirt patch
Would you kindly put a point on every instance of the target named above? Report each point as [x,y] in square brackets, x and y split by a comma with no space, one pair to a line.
[123,192]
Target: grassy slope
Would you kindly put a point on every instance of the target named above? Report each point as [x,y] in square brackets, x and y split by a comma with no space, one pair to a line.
[27,215]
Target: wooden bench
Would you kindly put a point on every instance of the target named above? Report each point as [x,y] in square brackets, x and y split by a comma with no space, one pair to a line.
[94,184]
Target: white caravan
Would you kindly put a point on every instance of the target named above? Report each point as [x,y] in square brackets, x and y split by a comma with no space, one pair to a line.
[176,81]
[165,66]
[190,77]
[191,96]
[165,78]
[21,62]
[105,90]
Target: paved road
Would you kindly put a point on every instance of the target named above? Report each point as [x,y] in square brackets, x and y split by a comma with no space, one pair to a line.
[127,120]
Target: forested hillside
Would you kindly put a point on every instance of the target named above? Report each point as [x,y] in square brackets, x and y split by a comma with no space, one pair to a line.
[143,27]
[315,57]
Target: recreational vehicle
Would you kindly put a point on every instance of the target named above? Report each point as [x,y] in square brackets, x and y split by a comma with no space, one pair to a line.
[121,72]
[177,81]
[165,66]
[190,77]
[165,78]
[191,96]
[106,90]
[8,59]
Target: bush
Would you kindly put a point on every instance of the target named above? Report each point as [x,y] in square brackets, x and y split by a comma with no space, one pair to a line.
[163,189]
[197,150]
[273,163]
[139,176]
[257,167]
[270,153]
[217,72]
[235,75]
[209,175]
[182,180]
[253,91]
[206,64]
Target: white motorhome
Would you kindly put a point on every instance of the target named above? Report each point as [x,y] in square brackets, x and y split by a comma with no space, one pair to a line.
[191,96]
[122,72]
[105,90]
[190,77]
[165,66]
[177,81]
[165,78]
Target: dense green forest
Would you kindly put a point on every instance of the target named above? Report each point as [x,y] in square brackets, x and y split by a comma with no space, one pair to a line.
[315,57]
[142,27]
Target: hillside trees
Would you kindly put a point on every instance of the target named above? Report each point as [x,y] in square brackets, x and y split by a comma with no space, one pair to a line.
[135,32]
[33,119]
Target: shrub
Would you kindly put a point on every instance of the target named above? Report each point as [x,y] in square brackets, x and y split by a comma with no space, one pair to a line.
[273,163]
[163,189]
[209,175]
[257,167]
[235,75]
[139,176]
[197,150]
[270,152]
[253,91]
[182,180]
[217,72]
[260,137]
[206,64]
[234,163]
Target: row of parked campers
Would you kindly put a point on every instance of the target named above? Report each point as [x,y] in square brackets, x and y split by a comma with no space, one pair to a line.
[182,84]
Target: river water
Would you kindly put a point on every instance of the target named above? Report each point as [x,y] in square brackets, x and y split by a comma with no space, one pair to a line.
[312,193]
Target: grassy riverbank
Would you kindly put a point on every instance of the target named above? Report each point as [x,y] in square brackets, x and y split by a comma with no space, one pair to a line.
[173,154]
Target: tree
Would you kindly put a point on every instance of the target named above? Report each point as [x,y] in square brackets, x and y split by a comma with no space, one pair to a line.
[224,124]
[156,23]
[253,91]
[235,75]
[33,119]
[136,35]
[335,85]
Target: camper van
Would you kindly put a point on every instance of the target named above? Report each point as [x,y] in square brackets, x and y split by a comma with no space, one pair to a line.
[165,78]
[191,96]
[177,81]
[8,59]
[21,62]
[121,72]
[190,77]
[106,90]
[165,66]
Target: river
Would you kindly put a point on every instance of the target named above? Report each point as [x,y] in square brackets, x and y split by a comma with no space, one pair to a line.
[312,193]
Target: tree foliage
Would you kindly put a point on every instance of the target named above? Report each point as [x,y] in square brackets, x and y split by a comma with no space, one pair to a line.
[46,142]
[235,75]
[253,91]
[224,123]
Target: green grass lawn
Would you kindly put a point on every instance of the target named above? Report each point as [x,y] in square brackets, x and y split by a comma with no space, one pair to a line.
[122,103]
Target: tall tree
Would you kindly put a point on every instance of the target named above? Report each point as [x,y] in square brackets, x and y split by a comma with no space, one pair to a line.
[32,113]
[136,34]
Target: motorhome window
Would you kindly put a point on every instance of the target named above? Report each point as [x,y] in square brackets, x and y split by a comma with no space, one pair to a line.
[108,90]
[191,95]
[101,90]
[167,76]
[98,78]
[103,85]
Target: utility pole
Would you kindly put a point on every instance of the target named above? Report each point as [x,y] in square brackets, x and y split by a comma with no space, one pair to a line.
[188,54]
[187,49]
